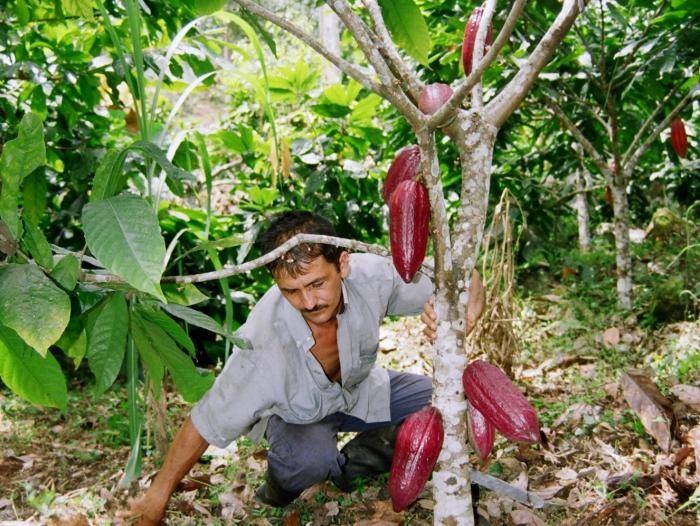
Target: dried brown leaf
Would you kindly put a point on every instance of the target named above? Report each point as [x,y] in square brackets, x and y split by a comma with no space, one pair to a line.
[688,394]
[654,409]
[293,519]
[611,337]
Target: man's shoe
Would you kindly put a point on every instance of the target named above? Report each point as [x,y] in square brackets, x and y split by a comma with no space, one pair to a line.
[272,494]
[366,455]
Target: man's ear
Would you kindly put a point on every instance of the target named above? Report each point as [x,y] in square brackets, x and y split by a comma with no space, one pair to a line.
[344,264]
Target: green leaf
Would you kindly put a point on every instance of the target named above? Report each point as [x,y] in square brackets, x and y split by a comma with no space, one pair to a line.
[146,346]
[188,381]
[81,8]
[170,326]
[20,157]
[73,342]
[408,28]
[107,342]
[8,245]
[33,306]
[35,378]
[22,12]
[66,272]
[207,7]
[123,233]
[199,319]
[36,244]
[34,191]
[183,294]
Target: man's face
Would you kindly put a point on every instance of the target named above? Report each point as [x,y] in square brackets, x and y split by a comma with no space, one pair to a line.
[316,292]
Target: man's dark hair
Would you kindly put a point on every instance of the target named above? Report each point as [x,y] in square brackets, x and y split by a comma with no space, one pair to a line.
[288,224]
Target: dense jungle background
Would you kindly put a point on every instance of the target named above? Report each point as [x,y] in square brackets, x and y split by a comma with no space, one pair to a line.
[142,140]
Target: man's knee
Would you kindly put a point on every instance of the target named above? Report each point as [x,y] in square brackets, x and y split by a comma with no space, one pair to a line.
[304,466]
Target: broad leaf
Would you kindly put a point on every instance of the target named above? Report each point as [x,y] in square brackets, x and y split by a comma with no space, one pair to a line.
[20,157]
[123,233]
[66,272]
[34,191]
[145,345]
[39,380]
[107,342]
[170,326]
[73,342]
[32,305]
[183,294]
[81,8]
[408,28]
[36,244]
[199,319]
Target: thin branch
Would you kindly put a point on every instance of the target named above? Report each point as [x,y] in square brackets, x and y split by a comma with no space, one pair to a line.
[365,38]
[463,89]
[578,135]
[505,103]
[261,261]
[647,123]
[634,158]
[390,53]
[478,51]
[360,75]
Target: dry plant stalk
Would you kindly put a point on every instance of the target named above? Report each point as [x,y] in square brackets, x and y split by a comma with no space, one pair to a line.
[494,334]
[158,426]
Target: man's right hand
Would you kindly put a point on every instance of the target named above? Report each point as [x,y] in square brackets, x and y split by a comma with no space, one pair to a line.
[141,512]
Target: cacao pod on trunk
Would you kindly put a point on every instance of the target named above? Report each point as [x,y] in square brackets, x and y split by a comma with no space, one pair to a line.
[481,432]
[433,97]
[501,403]
[470,37]
[406,165]
[679,140]
[409,219]
[417,447]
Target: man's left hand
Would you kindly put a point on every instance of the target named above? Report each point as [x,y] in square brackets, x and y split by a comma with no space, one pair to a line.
[475,307]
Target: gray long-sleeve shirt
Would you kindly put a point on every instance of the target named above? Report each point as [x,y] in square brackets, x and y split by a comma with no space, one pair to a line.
[276,374]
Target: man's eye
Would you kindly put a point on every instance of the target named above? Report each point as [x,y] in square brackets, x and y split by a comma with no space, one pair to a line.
[317,285]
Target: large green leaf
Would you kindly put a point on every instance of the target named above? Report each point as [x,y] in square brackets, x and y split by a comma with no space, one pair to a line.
[183,294]
[20,157]
[32,305]
[82,8]
[39,380]
[199,319]
[408,28]
[73,342]
[123,233]
[66,272]
[107,342]
[170,326]
[35,242]
[145,345]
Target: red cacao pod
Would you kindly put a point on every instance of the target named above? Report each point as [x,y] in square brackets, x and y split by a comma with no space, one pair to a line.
[490,391]
[480,431]
[433,97]
[409,218]
[417,447]
[405,166]
[679,140]
[470,36]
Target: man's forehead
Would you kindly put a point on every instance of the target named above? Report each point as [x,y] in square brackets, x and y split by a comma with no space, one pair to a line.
[305,273]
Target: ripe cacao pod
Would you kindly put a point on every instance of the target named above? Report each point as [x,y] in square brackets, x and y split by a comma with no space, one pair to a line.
[470,36]
[417,447]
[406,166]
[679,140]
[433,97]
[409,218]
[490,391]
[480,431]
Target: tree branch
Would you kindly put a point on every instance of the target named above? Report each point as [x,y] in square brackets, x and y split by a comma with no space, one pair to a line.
[505,103]
[634,158]
[478,51]
[390,53]
[647,123]
[261,261]
[462,90]
[365,38]
[351,70]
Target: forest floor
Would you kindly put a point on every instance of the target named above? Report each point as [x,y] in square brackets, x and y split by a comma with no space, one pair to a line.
[600,468]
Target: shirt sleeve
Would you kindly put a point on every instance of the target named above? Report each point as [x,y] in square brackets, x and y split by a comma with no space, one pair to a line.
[234,403]
[408,298]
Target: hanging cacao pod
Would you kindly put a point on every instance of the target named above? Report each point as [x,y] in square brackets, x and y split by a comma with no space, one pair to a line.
[405,166]
[480,431]
[490,391]
[433,97]
[409,219]
[679,140]
[470,36]
[417,447]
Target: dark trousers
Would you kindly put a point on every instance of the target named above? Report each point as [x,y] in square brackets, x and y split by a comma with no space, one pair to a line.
[302,455]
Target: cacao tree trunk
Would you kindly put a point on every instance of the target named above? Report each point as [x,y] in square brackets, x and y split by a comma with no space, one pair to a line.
[622,241]
[329,33]
[581,207]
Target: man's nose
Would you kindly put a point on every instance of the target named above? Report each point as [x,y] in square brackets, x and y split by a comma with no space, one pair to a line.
[308,300]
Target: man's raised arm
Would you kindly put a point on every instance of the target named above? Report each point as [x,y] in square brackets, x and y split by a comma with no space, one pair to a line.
[186,449]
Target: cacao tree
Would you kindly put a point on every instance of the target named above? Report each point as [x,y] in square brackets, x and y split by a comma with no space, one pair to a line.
[635,74]
[473,132]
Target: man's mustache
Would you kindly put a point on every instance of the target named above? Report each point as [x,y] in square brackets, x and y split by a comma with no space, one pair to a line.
[315,309]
